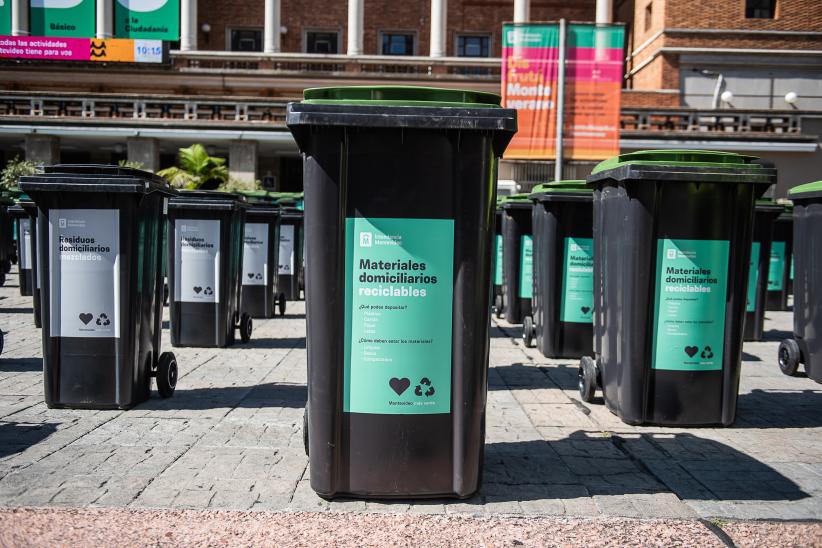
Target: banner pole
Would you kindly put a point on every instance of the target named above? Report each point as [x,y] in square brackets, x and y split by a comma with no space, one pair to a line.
[560,101]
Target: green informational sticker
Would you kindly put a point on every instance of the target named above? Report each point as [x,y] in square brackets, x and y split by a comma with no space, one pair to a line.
[577,303]
[5,17]
[689,306]
[753,278]
[791,274]
[526,267]
[498,260]
[147,19]
[63,18]
[399,276]
[777,267]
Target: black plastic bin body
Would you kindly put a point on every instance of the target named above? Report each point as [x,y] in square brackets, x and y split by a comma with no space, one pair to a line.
[563,300]
[205,259]
[260,265]
[98,257]
[25,265]
[517,257]
[679,214]
[290,252]
[779,271]
[496,262]
[807,287]
[765,215]
[7,246]
[414,185]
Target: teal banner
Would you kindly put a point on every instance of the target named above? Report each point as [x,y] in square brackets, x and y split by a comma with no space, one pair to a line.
[753,278]
[526,267]
[147,19]
[689,305]
[63,18]
[776,269]
[398,307]
[498,260]
[577,304]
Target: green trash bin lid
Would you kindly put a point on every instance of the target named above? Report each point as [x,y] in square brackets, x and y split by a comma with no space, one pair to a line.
[561,190]
[401,96]
[515,200]
[684,165]
[806,191]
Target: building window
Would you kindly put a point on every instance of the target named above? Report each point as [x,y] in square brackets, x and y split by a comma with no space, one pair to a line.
[760,9]
[246,40]
[398,43]
[473,45]
[322,41]
[649,16]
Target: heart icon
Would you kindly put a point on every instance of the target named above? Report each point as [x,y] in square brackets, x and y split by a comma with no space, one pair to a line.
[399,385]
[197,289]
[691,351]
[250,275]
[85,317]
[585,309]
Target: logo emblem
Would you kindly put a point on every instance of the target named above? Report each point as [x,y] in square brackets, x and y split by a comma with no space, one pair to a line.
[366,239]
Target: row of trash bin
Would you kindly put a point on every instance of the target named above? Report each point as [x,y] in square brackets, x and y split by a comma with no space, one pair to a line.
[93,253]
[399,238]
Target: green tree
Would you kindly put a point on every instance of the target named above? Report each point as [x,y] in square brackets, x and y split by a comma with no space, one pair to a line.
[15,169]
[194,168]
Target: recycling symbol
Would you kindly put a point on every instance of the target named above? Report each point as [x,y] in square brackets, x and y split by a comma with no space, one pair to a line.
[103,320]
[259,276]
[424,382]
[208,291]
[707,353]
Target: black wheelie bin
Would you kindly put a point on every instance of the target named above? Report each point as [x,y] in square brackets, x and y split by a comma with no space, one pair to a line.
[563,301]
[261,297]
[399,201]
[765,215]
[517,257]
[779,272]
[205,260]
[672,243]
[98,240]
[806,345]
[496,258]
[290,252]
[25,251]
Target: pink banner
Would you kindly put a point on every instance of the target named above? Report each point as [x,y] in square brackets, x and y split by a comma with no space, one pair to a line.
[38,47]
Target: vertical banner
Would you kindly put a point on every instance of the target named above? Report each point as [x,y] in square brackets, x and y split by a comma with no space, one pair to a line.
[530,54]
[5,17]
[64,18]
[593,88]
[593,83]
[147,19]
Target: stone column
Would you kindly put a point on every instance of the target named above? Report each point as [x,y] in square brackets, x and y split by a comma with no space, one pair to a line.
[605,12]
[439,28]
[356,16]
[188,25]
[145,151]
[105,19]
[522,11]
[19,17]
[242,160]
[43,149]
[271,29]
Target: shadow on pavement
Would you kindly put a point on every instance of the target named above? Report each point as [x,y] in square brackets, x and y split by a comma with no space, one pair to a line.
[587,463]
[518,376]
[776,335]
[23,310]
[750,357]
[281,342]
[253,397]
[780,408]
[17,437]
[16,365]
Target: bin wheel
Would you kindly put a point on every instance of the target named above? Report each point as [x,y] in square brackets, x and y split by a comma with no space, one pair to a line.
[2,278]
[587,379]
[165,295]
[498,306]
[6,266]
[305,430]
[245,328]
[281,304]
[789,357]
[166,374]
[528,331]
[2,342]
